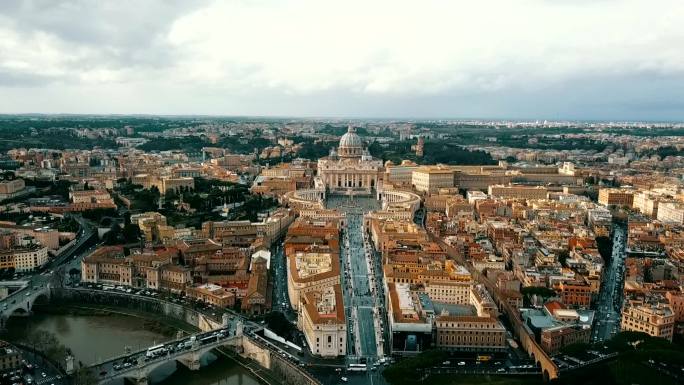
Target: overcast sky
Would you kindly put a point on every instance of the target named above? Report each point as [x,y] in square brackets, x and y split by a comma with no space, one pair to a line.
[546,59]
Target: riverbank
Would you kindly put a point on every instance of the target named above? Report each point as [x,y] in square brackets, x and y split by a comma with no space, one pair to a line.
[165,326]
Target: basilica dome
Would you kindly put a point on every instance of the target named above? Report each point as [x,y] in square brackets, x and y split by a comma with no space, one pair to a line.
[351,145]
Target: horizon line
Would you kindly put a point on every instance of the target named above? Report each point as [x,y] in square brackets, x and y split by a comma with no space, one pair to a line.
[343,117]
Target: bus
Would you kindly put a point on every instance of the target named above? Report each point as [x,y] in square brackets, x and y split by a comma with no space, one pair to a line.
[483,358]
[357,367]
[208,339]
[155,351]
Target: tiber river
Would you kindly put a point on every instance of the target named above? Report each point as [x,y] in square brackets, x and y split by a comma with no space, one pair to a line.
[93,338]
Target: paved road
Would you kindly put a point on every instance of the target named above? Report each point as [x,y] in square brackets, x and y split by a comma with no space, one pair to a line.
[281,299]
[162,352]
[610,296]
[358,288]
[359,280]
[63,263]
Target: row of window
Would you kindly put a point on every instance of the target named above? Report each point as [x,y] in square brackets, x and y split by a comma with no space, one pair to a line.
[487,325]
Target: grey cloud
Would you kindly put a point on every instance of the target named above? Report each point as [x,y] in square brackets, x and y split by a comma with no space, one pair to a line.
[18,79]
[130,37]
[125,34]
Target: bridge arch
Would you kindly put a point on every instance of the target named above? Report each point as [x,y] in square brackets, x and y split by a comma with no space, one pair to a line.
[44,297]
[19,311]
[21,302]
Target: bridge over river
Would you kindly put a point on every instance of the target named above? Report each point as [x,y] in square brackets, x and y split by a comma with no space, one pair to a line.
[136,366]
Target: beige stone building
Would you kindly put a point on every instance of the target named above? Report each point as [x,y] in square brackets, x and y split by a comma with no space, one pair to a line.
[24,259]
[646,202]
[322,321]
[429,179]
[671,212]
[149,224]
[615,196]
[90,196]
[156,270]
[11,188]
[214,295]
[521,192]
[451,285]
[469,333]
[400,175]
[313,270]
[656,320]
[554,338]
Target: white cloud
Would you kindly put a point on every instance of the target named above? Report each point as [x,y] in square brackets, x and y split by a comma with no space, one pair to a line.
[426,46]
[231,53]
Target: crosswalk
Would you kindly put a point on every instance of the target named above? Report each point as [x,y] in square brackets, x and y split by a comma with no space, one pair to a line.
[49,380]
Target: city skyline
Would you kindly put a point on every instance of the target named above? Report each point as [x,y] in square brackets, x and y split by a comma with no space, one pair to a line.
[607,60]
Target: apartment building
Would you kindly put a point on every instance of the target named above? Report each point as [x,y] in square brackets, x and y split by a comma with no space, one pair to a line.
[11,188]
[556,337]
[43,235]
[149,224]
[575,293]
[451,285]
[89,196]
[483,302]
[10,357]
[671,212]
[24,259]
[214,295]
[555,326]
[676,301]
[654,319]
[647,202]
[156,270]
[616,197]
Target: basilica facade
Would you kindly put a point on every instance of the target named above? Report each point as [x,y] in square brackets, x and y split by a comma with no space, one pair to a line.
[350,169]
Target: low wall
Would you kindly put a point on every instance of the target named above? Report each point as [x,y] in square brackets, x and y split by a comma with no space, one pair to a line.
[59,251]
[136,303]
[286,371]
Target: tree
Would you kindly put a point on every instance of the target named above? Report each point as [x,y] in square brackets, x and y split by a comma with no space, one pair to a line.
[279,324]
[409,370]
[131,233]
[113,236]
[47,343]
[74,272]
[538,290]
[563,256]
[170,195]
